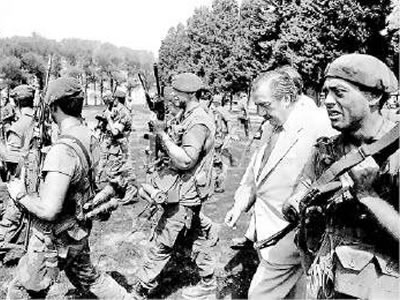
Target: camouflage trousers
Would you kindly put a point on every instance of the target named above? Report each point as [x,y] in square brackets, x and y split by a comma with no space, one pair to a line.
[10,222]
[178,227]
[115,166]
[38,269]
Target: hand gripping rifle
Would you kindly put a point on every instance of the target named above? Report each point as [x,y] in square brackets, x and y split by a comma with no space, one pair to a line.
[157,106]
[324,191]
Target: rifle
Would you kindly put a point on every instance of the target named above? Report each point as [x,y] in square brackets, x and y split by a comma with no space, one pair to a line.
[313,197]
[325,190]
[157,106]
[35,157]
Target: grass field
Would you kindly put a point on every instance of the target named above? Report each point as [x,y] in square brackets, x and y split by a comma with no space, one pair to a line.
[118,251]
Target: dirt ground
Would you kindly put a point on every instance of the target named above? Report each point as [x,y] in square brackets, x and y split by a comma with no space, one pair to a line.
[118,250]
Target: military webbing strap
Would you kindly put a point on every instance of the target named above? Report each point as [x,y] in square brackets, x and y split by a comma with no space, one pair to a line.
[81,149]
[386,145]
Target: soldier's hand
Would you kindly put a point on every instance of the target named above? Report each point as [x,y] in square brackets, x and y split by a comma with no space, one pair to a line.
[232,217]
[16,187]
[363,175]
[159,126]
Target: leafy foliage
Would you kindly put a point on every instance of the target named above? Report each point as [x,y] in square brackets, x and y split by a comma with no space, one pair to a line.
[228,46]
[22,59]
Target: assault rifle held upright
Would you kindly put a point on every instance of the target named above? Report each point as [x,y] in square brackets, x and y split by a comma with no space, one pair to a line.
[156,105]
[34,159]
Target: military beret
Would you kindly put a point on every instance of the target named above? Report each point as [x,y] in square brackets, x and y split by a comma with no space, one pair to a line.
[22,92]
[365,70]
[64,87]
[107,95]
[119,94]
[187,82]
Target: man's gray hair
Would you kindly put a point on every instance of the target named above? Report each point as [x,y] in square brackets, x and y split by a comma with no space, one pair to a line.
[281,84]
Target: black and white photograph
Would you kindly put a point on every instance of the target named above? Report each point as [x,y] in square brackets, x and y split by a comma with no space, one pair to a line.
[199,149]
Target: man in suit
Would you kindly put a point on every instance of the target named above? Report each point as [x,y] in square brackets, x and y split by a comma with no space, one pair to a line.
[271,177]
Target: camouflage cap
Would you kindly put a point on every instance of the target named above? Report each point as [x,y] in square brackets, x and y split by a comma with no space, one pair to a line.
[187,82]
[119,94]
[363,69]
[64,87]
[22,92]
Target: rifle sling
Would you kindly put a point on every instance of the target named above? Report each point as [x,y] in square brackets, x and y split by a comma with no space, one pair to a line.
[388,144]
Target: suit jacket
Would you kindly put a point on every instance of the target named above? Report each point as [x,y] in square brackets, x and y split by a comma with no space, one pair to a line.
[280,175]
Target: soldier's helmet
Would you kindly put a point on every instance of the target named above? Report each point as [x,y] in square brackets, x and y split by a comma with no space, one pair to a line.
[23,95]
[63,88]
[365,70]
[187,82]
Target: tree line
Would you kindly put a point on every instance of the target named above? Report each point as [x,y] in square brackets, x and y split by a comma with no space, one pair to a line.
[97,65]
[228,44]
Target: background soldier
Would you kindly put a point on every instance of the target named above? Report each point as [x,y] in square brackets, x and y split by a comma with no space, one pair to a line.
[116,126]
[223,134]
[360,226]
[8,115]
[60,237]
[191,156]
[18,139]
[244,117]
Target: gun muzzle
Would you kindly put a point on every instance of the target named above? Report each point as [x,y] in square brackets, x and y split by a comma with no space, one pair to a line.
[101,197]
[152,194]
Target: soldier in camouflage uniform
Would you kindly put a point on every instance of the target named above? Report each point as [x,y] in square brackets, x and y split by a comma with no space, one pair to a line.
[18,139]
[352,250]
[190,170]
[223,133]
[244,117]
[60,236]
[8,115]
[114,147]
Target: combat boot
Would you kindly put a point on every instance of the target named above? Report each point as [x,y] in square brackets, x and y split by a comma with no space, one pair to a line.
[205,289]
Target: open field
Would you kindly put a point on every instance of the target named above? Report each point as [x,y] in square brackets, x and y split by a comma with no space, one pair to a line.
[118,251]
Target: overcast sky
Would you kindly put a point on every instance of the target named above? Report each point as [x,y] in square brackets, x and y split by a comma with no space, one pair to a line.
[138,24]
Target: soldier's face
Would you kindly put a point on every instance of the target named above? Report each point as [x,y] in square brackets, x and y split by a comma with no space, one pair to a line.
[173,106]
[181,97]
[347,106]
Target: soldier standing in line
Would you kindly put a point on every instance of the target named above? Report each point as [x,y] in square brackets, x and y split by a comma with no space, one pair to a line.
[223,134]
[115,141]
[355,254]
[60,237]
[191,157]
[18,139]
[244,117]
[8,115]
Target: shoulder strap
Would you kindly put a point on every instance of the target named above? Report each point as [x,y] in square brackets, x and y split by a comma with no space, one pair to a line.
[78,147]
[385,146]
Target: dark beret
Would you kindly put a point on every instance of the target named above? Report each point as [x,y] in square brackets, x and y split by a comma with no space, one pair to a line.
[365,70]
[63,87]
[22,92]
[187,82]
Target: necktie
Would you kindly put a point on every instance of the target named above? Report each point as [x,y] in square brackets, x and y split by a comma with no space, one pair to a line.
[270,146]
